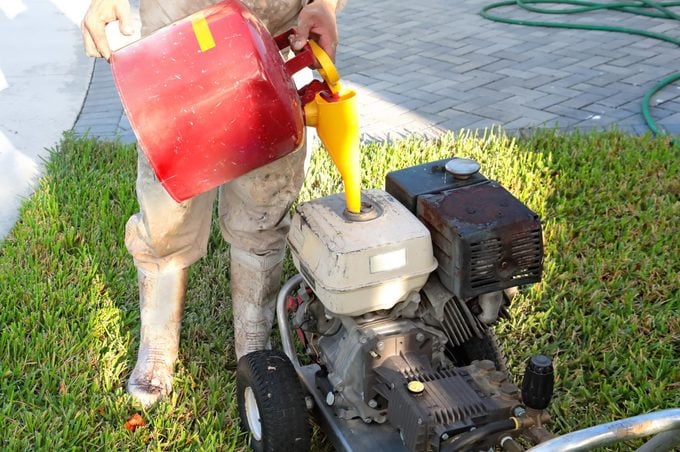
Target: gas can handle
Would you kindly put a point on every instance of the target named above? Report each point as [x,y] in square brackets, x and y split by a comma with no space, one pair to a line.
[333,114]
[311,55]
[326,68]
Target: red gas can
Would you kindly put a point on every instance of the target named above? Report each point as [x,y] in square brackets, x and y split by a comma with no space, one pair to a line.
[209,98]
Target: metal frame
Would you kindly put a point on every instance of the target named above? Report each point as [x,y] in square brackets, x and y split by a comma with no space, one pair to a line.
[354,435]
[613,432]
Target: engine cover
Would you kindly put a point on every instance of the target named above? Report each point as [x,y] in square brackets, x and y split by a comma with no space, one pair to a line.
[353,266]
[485,239]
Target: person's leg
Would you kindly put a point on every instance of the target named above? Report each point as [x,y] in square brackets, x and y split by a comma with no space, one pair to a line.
[164,238]
[254,218]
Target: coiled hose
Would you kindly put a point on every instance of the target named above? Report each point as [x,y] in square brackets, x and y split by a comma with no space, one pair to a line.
[659,10]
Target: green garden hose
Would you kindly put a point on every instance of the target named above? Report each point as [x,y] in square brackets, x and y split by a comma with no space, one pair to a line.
[647,8]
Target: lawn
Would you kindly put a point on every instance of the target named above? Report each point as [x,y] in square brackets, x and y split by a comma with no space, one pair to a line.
[607,309]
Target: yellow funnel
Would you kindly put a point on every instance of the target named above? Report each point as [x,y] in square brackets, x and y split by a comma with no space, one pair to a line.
[337,123]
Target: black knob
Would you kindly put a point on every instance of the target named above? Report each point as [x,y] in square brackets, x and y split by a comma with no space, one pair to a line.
[538,383]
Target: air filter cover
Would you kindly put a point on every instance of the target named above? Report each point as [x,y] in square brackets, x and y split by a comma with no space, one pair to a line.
[485,239]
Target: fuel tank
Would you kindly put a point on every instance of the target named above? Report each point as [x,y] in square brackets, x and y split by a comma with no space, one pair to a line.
[360,263]
[209,98]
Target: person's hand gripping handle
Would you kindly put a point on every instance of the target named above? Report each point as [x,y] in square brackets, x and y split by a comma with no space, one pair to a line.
[93,26]
[317,21]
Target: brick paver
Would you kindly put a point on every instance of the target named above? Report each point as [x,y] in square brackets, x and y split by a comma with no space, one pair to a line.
[436,65]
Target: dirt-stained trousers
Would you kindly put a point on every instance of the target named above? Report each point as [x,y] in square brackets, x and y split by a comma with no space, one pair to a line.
[253,209]
[166,237]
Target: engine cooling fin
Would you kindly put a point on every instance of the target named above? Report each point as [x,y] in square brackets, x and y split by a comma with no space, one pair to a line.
[454,316]
[460,324]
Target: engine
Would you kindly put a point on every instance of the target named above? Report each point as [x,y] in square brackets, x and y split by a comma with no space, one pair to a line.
[397,301]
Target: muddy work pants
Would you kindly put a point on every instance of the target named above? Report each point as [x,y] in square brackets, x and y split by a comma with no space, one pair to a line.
[253,209]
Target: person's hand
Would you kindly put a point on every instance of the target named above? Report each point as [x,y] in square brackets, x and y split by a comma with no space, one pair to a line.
[100,13]
[317,21]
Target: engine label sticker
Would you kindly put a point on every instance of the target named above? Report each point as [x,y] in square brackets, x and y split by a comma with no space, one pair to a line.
[388,261]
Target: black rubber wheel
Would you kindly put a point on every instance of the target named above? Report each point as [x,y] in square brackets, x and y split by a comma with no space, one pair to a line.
[271,403]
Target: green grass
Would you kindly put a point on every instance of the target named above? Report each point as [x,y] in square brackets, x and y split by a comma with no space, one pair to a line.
[607,308]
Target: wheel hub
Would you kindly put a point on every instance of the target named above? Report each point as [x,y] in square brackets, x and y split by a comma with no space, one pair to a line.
[253,414]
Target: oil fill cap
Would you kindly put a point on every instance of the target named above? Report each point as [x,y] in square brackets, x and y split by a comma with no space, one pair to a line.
[462,168]
[415,386]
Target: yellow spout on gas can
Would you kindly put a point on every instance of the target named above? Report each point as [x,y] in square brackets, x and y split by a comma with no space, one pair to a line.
[337,123]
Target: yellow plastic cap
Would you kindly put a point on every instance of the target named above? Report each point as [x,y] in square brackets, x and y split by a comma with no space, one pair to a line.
[327,70]
[415,386]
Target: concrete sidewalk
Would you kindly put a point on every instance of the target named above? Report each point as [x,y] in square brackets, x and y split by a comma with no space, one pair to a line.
[44,76]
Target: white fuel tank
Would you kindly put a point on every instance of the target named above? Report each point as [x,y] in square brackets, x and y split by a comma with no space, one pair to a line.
[360,265]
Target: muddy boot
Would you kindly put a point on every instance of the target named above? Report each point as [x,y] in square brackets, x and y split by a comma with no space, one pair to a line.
[255,282]
[161,305]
